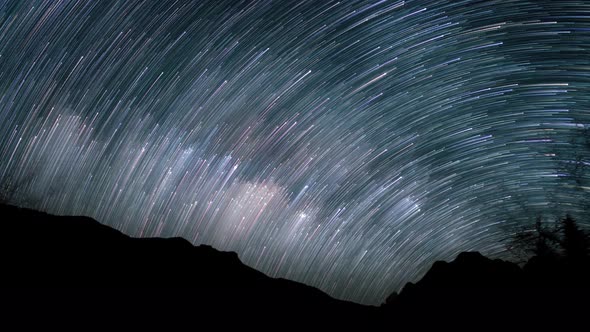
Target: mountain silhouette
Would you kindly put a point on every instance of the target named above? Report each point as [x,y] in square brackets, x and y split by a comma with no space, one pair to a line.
[473,290]
[47,260]
[43,256]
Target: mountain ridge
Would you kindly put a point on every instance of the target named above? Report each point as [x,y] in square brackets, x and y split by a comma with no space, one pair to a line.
[40,251]
[42,255]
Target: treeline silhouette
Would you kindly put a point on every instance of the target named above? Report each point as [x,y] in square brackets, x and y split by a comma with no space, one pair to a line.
[560,253]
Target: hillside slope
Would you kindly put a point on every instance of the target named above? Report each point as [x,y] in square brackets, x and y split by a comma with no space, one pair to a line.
[44,256]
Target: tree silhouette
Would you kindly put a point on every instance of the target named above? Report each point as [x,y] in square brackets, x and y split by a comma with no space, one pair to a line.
[573,160]
[540,240]
[564,241]
[8,190]
[13,190]
[575,242]
[545,240]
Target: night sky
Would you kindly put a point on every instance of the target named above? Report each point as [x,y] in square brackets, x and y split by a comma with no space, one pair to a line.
[346,145]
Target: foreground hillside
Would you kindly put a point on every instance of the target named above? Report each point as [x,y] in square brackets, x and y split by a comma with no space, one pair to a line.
[47,260]
[42,251]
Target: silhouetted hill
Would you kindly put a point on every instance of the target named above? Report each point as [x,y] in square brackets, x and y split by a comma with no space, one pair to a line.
[474,289]
[80,268]
[45,256]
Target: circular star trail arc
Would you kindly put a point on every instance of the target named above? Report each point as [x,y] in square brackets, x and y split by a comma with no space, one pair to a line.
[347,145]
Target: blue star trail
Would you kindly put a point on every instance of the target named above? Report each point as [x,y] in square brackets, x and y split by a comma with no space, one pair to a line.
[344,144]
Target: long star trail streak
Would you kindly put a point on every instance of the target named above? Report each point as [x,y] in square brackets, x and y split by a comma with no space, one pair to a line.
[347,145]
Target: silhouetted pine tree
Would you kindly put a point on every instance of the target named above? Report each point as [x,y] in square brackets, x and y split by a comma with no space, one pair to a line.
[575,242]
[538,241]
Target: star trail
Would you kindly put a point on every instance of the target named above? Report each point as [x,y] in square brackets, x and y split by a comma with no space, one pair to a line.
[344,144]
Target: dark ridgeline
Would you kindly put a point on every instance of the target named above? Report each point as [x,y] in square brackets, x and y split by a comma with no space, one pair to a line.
[47,260]
[550,291]
[50,257]
[474,289]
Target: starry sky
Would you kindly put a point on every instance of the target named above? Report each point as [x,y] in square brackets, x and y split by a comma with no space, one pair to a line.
[344,144]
